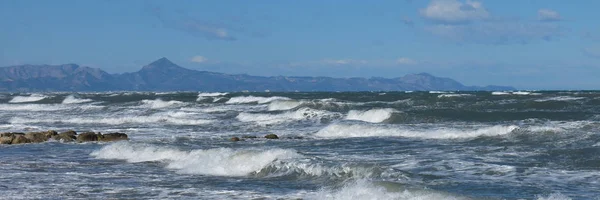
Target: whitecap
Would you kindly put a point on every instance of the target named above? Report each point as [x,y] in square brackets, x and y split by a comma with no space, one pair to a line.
[284,105]
[254,99]
[361,130]
[373,115]
[214,162]
[363,189]
[159,103]
[25,99]
[72,100]
[300,114]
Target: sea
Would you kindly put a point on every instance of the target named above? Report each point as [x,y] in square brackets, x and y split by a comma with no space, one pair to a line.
[542,145]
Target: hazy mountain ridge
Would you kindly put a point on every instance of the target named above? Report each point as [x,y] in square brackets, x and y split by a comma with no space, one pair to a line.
[163,75]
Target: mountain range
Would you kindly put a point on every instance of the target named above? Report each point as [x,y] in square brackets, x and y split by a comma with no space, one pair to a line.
[164,75]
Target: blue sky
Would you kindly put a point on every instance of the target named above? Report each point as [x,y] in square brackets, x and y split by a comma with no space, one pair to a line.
[529,44]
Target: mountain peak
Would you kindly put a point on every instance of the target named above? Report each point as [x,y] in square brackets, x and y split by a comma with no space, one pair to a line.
[162,64]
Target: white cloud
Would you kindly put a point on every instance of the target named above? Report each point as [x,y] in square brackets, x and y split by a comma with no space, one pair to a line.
[198,59]
[344,61]
[405,61]
[548,15]
[454,11]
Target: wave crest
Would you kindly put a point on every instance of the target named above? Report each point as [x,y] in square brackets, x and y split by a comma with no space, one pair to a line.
[215,162]
[359,130]
[72,100]
[373,115]
[25,99]
[254,99]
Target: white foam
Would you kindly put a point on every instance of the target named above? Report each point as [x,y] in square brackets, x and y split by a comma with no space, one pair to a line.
[159,103]
[360,130]
[253,99]
[24,99]
[284,105]
[155,119]
[300,114]
[362,189]
[31,107]
[560,98]
[72,100]
[215,162]
[438,92]
[373,115]
[555,196]
[500,93]
[453,95]
[202,96]
[212,94]
[525,93]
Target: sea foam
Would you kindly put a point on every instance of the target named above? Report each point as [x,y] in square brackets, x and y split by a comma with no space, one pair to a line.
[72,100]
[284,105]
[363,189]
[253,99]
[360,130]
[215,162]
[373,115]
[159,103]
[25,99]
[300,114]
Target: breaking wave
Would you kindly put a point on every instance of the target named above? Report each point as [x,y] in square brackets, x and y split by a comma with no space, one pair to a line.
[203,96]
[72,100]
[25,99]
[215,162]
[284,105]
[363,189]
[159,103]
[373,115]
[297,115]
[453,95]
[560,98]
[116,120]
[360,130]
[253,99]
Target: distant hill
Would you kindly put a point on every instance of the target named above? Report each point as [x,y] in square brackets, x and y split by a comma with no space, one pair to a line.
[163,75]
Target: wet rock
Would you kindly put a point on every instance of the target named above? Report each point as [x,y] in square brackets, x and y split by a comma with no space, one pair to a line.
[109,137]
[36,137]
[20,139]
[67,136]
[271,136]
[6,139]
[235,139]
[87,137]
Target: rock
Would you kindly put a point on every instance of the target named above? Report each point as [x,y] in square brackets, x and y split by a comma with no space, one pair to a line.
[87,137]
[271,136]
[249,137]
[109,137]
[20,139]
[67,136]
[11,134]
[235,139]
[37,137]
[6,139]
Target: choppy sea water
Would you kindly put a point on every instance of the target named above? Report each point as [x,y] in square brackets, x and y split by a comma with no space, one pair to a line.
[370,145]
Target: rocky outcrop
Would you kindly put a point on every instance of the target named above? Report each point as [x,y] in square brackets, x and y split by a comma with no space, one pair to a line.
[110,137]
[37,137]
[87,137]
[68,136]
[271,136]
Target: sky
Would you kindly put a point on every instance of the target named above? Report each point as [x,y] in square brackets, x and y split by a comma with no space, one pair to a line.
[528,44]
